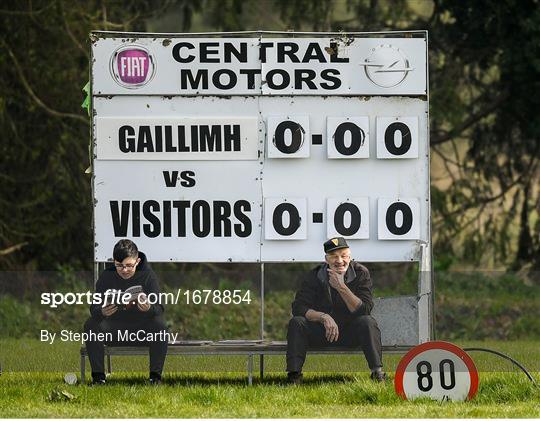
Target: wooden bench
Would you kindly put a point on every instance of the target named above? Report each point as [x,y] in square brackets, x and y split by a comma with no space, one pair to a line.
[260,348]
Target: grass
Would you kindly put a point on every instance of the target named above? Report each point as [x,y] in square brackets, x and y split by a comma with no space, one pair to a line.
[219,388]
[210,395]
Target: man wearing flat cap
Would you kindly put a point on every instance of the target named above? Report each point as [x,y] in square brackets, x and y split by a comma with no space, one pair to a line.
[332,308]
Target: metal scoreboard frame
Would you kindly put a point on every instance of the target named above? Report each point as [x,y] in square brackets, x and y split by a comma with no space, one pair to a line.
[259,146]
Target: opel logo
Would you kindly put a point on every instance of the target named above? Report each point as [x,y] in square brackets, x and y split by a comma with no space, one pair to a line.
[386,66]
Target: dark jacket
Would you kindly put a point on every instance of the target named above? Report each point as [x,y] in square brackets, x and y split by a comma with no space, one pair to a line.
[317,294]
[144,276]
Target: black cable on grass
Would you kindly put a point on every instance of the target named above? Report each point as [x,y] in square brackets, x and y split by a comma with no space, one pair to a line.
[500,354]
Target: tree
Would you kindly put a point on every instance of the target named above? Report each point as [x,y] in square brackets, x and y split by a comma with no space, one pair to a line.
[490,54]
[45,197]
[484,72]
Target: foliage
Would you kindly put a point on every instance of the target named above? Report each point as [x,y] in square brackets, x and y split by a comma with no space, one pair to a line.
[489,50]
[484,69]
[46,203]
[59,395]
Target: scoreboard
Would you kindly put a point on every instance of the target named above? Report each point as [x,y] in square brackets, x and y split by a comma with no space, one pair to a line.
[259,149]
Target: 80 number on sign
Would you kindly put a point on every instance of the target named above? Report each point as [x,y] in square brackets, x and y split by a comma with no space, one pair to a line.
[438,370]
[428,371]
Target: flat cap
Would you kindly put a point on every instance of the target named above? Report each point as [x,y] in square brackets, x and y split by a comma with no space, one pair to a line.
[335,243]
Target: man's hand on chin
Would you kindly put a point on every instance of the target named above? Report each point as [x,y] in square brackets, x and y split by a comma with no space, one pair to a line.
[336,279]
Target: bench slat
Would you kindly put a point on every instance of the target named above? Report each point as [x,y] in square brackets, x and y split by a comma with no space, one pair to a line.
[274,348]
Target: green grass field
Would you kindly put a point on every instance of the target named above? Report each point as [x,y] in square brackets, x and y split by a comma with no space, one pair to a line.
[215,387]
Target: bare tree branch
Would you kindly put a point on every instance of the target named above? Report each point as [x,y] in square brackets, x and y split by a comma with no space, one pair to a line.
[445,161]
[12,249]
[448,159]
[480,201]
[32,94]
[473,119]
[457,158]
[24,12]
[70,33]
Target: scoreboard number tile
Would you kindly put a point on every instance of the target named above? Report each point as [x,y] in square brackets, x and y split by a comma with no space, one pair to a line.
[398,218]
[288,137]
[397,137]
[348,218]
[347,137]
[285,218]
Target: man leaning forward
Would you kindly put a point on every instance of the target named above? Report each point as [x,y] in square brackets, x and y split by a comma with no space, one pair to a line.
[332,308]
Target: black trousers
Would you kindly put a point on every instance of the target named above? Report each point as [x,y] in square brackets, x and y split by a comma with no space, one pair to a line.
[96,351]
[361,331]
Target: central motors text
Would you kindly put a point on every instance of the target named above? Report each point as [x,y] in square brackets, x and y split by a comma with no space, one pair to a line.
[325,78]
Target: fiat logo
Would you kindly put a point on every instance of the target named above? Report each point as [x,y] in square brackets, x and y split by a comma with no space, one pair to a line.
[132,66]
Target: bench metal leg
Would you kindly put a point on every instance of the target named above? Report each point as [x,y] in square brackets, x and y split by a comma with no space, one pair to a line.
[109,364]
[261,365]
[250,369]
[83,368]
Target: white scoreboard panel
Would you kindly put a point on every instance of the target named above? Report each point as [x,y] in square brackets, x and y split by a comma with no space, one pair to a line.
[259,149]
[314,168]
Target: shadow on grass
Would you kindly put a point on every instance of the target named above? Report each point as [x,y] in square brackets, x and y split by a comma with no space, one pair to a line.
[202,380]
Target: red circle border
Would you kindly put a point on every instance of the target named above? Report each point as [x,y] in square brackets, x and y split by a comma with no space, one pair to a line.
[447,346]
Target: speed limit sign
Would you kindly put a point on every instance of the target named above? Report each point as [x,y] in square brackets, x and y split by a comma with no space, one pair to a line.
[437,370]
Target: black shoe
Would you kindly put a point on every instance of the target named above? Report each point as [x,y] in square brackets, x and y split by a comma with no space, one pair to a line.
[295,377]
[378,376]
[98,379]
[155,378]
